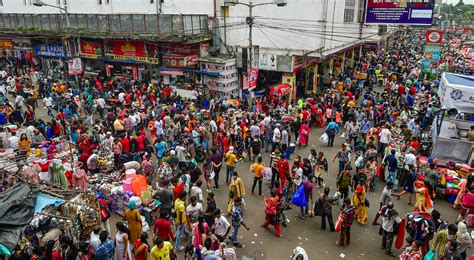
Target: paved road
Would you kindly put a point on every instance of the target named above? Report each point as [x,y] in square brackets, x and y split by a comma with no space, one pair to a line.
[261,243]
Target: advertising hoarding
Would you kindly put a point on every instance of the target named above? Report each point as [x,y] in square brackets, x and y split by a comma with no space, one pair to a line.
[400,11]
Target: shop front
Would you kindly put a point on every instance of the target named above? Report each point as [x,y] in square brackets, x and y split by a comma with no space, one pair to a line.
[52,58]
[306,73]
[92,54]
[130,59]
[180,65]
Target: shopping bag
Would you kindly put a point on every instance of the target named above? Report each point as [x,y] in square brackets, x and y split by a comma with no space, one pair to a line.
[324,138]
[430,255]
[318,208]
[299,198]
[343,136]
[339,223]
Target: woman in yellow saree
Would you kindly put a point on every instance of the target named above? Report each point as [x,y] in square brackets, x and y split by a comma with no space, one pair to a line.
[358,200]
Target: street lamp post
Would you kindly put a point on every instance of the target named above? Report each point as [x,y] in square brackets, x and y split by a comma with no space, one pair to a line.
[40,3]
[250,19]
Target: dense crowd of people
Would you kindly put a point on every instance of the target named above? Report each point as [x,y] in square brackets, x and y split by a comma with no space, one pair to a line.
[166,138]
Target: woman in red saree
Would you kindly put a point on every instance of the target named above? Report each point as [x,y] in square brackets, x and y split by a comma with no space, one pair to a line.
[304,134]
[141,250]
[320,120]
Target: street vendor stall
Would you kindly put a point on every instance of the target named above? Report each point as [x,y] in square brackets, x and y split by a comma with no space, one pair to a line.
[280,93]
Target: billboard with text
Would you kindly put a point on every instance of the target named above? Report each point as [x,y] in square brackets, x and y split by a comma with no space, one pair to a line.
[399,11]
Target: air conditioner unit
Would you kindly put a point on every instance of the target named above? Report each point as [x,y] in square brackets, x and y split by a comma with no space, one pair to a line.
[230,2]
[281,3]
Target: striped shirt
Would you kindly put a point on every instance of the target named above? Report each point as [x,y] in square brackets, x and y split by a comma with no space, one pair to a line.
[348,215]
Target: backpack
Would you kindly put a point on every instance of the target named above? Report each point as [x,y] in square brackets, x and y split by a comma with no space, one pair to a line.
[332,131]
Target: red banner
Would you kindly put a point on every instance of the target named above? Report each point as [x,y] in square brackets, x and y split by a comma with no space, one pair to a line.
[434,36]
[134,72]
[6,43]
[132,50]
[252,78]
[107,69]
[179,49]
[91,49]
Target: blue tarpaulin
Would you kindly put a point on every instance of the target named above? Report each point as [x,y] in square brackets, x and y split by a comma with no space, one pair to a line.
[43,200]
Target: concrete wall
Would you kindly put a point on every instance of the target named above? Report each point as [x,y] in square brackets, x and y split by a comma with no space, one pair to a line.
[296,28]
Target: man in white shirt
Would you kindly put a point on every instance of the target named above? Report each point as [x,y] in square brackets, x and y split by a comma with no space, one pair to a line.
[276,137]
[193,210]
[121,97]
[20,101]
[13,141]
[385,138]
[48,103]
[410,158]
[196,191]
[94,240]
[101,107]
[221,226]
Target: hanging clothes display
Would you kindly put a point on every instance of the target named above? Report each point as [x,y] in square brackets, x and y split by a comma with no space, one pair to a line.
[56,170]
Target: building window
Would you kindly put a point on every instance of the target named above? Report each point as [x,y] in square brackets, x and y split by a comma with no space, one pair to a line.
[349,11]
[99,2]
[152,1]
[361,14]
[107,2]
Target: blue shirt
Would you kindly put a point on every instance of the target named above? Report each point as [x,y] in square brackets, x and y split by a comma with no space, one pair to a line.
[334,126]
[105,251]
[3,118]
[392,163]
[160,148]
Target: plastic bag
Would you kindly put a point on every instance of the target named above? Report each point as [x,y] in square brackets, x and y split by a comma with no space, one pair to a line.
[324,138]
[339,223]
[430,255]
[343,136]
[299,198]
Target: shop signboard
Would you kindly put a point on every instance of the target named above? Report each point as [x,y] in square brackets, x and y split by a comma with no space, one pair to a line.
[400,12]
[431,56]
[75,66]
[134,72]
[434,36]
[252,79]
[107,69]
[91,49]
[267,61]
[136,51]
[173,61]
[204,49]
[22,44]
[50,50]
[6,43]
[191,60]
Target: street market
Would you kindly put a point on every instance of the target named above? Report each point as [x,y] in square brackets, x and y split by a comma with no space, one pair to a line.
[124,162]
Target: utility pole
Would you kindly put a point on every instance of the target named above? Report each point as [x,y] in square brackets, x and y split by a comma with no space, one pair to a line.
[249,21]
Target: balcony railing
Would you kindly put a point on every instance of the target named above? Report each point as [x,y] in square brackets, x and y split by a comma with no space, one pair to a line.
[130,24]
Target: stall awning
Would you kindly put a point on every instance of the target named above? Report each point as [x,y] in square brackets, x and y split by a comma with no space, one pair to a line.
[206,73]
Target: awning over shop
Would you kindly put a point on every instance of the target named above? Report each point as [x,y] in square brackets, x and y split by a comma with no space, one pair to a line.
[210,74]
